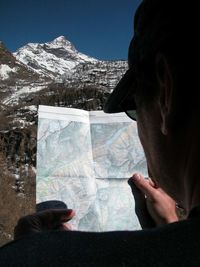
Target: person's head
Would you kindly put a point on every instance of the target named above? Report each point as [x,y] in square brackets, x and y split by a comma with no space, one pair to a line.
[161,85]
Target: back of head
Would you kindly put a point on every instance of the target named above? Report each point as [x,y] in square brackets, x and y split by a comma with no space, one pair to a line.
[161,22]
[169,27]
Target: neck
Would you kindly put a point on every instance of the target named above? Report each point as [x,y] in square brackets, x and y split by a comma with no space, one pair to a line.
[191,178]
[190,168]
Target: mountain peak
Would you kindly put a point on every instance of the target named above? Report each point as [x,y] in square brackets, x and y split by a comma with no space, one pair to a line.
[53,58]
[61,41]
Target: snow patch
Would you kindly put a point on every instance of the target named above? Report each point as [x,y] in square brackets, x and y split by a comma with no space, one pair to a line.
[32,108]
[20,91]
[5,70]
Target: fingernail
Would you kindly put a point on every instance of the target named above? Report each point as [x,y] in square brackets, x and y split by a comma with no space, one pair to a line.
[69,211]
[136,177]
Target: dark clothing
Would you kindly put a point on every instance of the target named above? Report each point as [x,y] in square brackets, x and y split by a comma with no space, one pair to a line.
[176,244]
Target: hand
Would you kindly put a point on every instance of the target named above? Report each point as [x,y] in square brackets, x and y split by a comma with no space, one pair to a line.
[153,206]
[53,219]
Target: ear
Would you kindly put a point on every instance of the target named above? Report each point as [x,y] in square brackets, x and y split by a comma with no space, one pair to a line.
[165,83]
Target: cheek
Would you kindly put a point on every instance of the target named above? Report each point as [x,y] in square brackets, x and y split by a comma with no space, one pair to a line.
[144,142]
[142,133]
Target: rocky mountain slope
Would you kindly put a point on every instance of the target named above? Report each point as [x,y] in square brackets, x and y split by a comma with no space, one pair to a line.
[53,73]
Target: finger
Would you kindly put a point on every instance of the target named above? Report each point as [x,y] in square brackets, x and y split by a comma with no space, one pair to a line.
[66,227]
[137,194]
[55,217]
[144,185]
[140,206]
[68,216]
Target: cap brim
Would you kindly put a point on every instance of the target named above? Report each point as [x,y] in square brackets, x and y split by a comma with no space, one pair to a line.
[113,102]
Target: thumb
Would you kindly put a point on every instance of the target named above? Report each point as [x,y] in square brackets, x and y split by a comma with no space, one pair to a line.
[140,201]
[140,205]
[145,186]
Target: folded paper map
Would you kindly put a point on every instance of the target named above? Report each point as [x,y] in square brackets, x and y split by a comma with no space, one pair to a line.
[84,158]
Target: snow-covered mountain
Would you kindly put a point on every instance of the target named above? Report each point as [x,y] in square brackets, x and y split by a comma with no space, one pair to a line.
[17,80]
[52,73]
[35,67]
[52,58]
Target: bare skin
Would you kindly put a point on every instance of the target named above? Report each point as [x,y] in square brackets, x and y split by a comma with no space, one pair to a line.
[43,221]
[160,206]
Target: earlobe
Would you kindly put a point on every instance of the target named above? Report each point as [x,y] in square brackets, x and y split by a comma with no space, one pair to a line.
[164,128]
[165,89]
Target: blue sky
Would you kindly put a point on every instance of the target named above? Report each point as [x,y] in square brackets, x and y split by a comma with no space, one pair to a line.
[98,28]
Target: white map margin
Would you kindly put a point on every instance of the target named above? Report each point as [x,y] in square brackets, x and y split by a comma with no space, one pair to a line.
[59,113]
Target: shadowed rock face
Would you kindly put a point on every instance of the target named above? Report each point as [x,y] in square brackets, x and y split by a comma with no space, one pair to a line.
[17,178]
[22,89]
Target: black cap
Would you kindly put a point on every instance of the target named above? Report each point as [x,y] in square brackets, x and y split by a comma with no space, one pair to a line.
[155,22]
